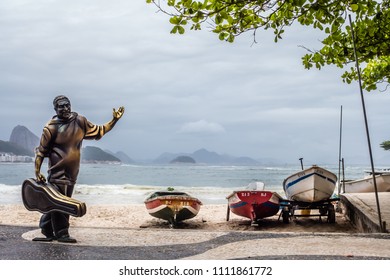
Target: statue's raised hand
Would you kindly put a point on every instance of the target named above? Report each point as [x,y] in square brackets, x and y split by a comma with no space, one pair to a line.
[117,114]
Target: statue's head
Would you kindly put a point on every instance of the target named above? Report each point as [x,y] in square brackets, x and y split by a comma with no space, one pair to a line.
[62,106]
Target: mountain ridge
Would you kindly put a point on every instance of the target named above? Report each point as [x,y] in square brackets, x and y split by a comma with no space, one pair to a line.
[95,154]
[23,142]
[23,137]
[12,148]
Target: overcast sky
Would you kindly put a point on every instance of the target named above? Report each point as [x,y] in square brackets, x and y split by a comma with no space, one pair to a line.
[181,93]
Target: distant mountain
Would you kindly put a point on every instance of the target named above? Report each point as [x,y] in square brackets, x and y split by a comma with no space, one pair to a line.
[23,137]
[206,157]
[23,142]
[166,158]
[12,148]
[183,159]
[95,154]
[124,158]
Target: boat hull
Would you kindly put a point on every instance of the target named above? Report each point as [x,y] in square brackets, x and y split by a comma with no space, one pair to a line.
[310,185]
[254,205]
[366,184]
[172,207]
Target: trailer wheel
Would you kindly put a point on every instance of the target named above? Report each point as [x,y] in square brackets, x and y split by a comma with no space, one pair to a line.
[331,214]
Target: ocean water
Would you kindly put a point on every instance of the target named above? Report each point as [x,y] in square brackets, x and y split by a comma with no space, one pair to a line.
[131,184]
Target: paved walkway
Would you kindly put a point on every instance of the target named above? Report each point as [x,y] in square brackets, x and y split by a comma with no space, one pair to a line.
[136,244]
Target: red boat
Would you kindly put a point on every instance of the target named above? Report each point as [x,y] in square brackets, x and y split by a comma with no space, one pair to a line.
[254,204]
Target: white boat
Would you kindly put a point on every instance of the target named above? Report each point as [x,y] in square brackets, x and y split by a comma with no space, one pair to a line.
[366,184]
[313,184]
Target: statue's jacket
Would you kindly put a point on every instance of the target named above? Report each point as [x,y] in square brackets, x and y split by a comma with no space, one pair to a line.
[61,143]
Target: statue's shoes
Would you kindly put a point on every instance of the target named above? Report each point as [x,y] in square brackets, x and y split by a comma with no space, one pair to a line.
[66,239]
[43,239]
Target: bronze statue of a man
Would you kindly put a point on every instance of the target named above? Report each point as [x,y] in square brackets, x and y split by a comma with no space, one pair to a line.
[61,142]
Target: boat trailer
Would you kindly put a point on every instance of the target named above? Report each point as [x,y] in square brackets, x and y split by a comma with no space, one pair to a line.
[325,208]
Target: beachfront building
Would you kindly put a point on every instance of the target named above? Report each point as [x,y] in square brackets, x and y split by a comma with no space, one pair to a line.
[6,157]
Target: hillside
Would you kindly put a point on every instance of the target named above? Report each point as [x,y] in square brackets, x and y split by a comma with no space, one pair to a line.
[22,142]
[95,154]
[124,158]
[183,159]
[12,148]
[23,137]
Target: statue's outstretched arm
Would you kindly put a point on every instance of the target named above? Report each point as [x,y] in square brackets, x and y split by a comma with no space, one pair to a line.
[116,115]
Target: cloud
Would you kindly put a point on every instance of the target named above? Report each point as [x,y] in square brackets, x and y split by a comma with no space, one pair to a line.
[202,127]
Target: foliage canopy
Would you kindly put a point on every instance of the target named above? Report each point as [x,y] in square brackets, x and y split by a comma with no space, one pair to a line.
[230,18]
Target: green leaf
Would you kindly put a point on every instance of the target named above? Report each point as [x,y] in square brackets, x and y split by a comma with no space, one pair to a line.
[354,7]
[174,20]
[231,38]
[222,36]
[180,29]
[174,30]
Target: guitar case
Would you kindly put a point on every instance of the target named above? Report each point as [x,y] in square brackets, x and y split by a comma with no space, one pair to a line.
[46,198]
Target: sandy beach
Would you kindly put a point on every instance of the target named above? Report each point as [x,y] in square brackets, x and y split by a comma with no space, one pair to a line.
[209,218]
[129,232]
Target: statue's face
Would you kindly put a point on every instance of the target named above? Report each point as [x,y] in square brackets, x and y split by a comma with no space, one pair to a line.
[63,109]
